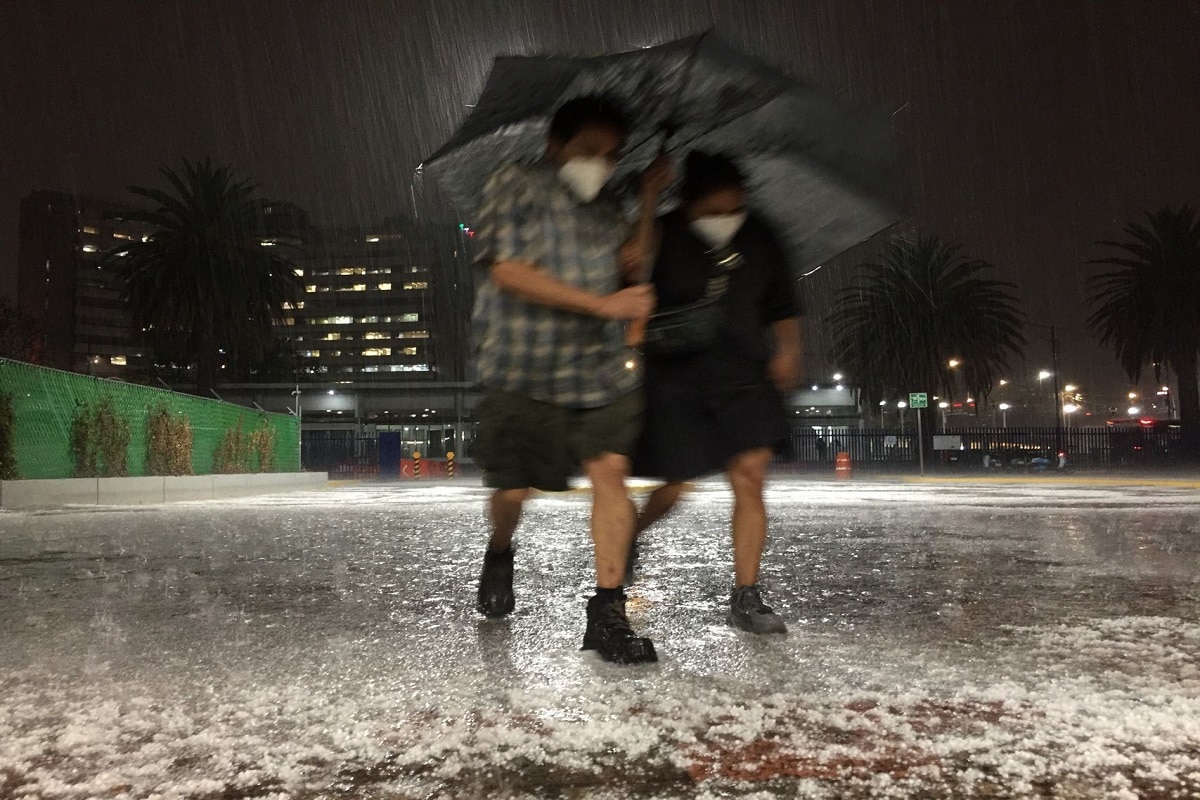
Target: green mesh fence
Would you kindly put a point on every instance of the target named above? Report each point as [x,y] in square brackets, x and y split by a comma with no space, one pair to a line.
[44,403]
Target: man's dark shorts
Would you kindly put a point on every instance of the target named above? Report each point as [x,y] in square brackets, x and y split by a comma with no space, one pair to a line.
[526,443]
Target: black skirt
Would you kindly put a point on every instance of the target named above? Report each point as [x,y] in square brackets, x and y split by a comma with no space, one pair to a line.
[704,409]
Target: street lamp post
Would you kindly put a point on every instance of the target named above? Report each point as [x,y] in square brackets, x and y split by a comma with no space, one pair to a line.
[1004,407]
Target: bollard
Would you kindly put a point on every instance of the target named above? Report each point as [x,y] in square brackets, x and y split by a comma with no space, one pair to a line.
[450,464]
[416,466]
[841,469]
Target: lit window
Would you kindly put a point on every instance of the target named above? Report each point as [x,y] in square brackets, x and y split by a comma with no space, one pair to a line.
[417,285]
[117,361]
[412,335]
[299,273]
[380,271]
[334,321]
[311,353]
[368,319]
[146,237]
[332,337]
[124,236]
[377,335]
[408,317]
[373,352]
[289,320]
[372,239]
[90,229]
[408,368]
[310,288]
[352,271]
[333,353]
[370,369]
[409,351]
[89,248]
[385,287]
[358,287]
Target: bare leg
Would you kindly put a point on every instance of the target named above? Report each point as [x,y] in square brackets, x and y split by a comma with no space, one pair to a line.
[659,504]
[747,473]
[612,516]
[504,512]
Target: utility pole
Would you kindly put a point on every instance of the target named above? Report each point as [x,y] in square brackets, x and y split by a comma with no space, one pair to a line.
[1059,439]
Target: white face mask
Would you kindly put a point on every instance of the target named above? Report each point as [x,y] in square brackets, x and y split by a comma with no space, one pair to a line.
[586,175]
[718,230]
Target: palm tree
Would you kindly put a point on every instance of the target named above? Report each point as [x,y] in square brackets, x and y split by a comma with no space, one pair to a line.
[202,277]
[897,328]
[1147,306]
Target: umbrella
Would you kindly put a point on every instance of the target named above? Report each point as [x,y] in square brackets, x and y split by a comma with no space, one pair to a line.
[821,170]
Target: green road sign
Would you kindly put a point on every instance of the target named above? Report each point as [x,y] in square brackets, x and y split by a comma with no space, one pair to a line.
[918,400]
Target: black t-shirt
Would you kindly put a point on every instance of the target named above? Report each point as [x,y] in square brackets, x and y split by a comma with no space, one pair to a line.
[760,291]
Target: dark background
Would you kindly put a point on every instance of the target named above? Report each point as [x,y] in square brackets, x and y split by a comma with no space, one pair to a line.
[1028,129]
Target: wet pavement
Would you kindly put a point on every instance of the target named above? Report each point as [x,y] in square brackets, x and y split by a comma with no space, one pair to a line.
[947,640]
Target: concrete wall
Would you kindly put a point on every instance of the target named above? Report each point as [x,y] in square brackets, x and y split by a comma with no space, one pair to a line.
[145,491]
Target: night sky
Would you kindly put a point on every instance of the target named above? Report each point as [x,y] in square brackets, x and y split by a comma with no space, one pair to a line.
[1028,129]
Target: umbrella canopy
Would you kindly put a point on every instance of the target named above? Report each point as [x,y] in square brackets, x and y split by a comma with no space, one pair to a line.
[821,170]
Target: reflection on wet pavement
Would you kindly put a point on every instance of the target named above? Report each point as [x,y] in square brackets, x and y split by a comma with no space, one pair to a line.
[979,640]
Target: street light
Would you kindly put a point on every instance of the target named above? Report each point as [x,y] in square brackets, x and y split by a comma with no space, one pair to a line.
[901,405]
[1004,381]
[837,376]
[1070,388]
[954,362]
[1004,407]
[1068,410]
[943,406]
[1134,411]
[1044,374]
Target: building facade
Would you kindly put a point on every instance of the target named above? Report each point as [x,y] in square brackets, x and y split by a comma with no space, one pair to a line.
[65,285]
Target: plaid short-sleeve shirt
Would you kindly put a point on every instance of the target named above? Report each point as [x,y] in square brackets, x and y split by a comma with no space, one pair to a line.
[572,360]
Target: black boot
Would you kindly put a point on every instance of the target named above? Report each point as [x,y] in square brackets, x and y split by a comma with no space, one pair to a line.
[496,584]
[609,633]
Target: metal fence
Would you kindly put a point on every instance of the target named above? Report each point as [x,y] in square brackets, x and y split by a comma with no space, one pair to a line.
[346,454]
[46,402]
[994,448]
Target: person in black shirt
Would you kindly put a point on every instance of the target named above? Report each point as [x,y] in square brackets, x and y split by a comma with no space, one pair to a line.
[720,409]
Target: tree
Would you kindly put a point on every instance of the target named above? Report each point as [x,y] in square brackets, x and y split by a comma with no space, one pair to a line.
[203,276]
[898,325]
[19,337]
[1146,307]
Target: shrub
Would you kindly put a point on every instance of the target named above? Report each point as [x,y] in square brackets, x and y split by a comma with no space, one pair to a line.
[99,440]
[168,442]
[8,456]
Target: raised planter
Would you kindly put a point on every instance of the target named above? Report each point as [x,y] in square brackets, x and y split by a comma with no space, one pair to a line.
[146,491]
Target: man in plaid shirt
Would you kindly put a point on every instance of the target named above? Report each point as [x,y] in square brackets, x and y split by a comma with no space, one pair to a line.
[560,390]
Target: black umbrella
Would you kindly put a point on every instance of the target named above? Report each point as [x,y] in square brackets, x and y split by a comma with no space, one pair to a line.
[821,170]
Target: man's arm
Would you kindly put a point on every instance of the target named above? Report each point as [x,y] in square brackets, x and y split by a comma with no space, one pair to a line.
[784,367]
[637,253]
[533,285]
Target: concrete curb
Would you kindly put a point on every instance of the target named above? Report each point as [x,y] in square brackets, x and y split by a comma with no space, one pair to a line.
[153,490]
[1061,480]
